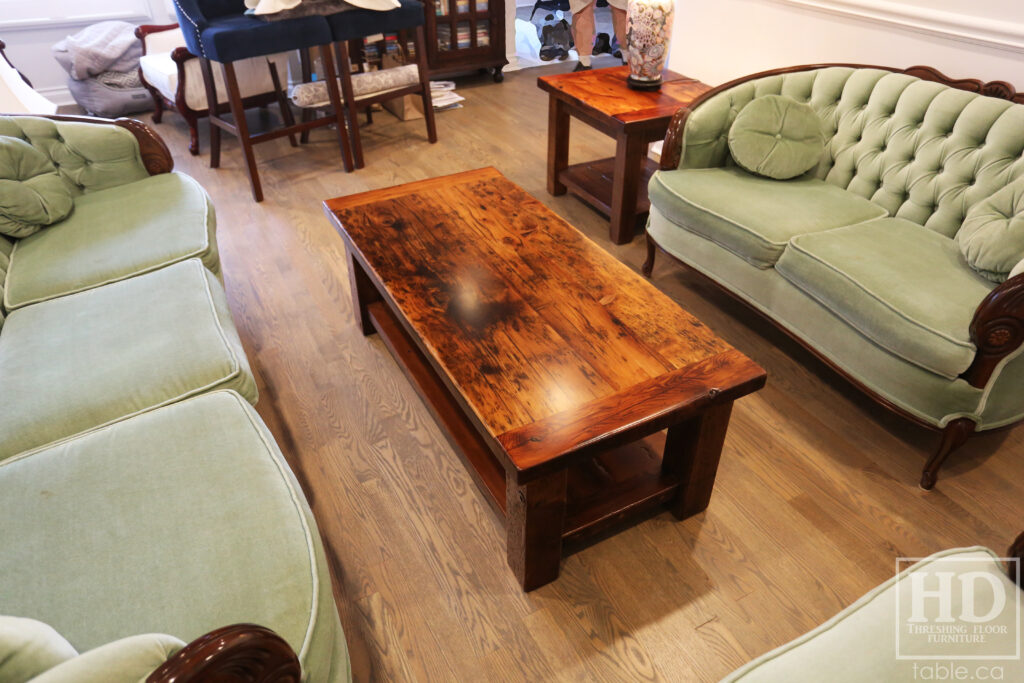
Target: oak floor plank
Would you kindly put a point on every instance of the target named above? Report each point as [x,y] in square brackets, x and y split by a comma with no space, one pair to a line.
[816,493]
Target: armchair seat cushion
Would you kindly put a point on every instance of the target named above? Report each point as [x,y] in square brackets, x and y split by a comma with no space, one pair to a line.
[751,216]
[180,520]
[84,360]
[900,284]
[114,234]
[233,37]
[859,643]
[359,23]
[161,72]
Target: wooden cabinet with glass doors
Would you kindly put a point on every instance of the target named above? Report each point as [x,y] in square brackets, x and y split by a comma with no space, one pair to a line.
[464,35]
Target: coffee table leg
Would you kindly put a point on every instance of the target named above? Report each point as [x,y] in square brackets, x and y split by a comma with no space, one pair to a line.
[692,451]
[535,514]
[363,294]
[558,144]
[630,151]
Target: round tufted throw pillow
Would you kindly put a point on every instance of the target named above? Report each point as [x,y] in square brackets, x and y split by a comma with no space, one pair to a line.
[991,237]
[777,137]
[32,193]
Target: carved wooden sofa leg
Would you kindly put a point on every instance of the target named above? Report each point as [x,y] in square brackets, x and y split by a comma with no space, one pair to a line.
[240,653]
[954,436]
[652,249]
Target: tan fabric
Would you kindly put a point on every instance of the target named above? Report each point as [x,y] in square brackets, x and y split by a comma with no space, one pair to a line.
[364,84]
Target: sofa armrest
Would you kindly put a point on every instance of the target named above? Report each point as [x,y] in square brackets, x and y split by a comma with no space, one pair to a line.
[1016,569]
[242,652]
[672,149]
[155,156]
[997,329]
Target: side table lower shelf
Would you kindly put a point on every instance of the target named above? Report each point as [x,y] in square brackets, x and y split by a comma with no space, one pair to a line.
[593,182]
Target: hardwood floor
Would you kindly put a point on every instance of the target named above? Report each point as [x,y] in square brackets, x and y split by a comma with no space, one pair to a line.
[816,493]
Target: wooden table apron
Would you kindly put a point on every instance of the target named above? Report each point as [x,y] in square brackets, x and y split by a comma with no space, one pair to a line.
[540,476]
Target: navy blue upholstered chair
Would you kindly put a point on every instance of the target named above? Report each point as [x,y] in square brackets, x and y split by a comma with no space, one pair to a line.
[356,24]
[220,31]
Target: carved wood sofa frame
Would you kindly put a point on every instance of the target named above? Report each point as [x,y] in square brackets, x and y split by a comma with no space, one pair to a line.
[181,56]
[997,329]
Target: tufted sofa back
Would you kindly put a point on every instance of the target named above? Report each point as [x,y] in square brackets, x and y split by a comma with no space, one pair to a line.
[88,156]
[924,151]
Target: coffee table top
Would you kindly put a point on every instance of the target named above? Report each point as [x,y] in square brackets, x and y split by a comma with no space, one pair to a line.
[549,341]
[604,92]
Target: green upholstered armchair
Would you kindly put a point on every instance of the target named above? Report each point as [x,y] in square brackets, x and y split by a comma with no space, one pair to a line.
[897,258]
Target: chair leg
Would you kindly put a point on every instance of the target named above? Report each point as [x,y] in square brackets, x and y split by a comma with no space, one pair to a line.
[238,113]
[954,436]
[213,108]
[348,97]
[305,62]
[158,107]
[335,98]
[421,64]
[282,102]
[652,251]
[193,133]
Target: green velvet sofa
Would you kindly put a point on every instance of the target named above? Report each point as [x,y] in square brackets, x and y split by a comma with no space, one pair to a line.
[874,639]
[151,522]
[872,259]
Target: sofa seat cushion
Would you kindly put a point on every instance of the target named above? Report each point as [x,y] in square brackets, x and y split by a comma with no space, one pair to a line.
[180,520]
[751,216]
[902,285]
[80,361]
[114,234]
[859,643]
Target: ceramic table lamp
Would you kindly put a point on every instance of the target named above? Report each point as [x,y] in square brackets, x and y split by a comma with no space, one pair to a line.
[648,29]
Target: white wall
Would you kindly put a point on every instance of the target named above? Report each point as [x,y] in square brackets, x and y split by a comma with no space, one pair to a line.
[718,40]
[31,27]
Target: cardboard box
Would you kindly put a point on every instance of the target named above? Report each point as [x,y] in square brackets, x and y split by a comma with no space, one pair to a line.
[407,108]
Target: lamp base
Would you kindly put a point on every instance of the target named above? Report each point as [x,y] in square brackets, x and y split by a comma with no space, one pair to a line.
[636,84]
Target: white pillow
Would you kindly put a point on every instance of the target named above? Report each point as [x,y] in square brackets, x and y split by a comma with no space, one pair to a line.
[28,648]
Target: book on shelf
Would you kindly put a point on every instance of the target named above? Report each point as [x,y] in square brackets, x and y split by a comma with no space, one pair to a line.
[441,8]
[461,6]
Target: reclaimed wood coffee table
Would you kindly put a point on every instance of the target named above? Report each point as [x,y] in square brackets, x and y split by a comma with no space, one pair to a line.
[600,98]
[575,392]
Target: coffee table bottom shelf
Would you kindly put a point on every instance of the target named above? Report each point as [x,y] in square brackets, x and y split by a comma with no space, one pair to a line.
[599,492]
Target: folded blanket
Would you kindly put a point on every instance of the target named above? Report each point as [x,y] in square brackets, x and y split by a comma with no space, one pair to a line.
[106,46]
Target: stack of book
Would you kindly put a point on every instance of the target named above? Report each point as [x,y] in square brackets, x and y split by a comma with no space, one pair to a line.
[462,35]
[444,97]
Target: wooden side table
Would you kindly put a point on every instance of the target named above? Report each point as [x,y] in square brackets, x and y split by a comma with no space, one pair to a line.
[617,187]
